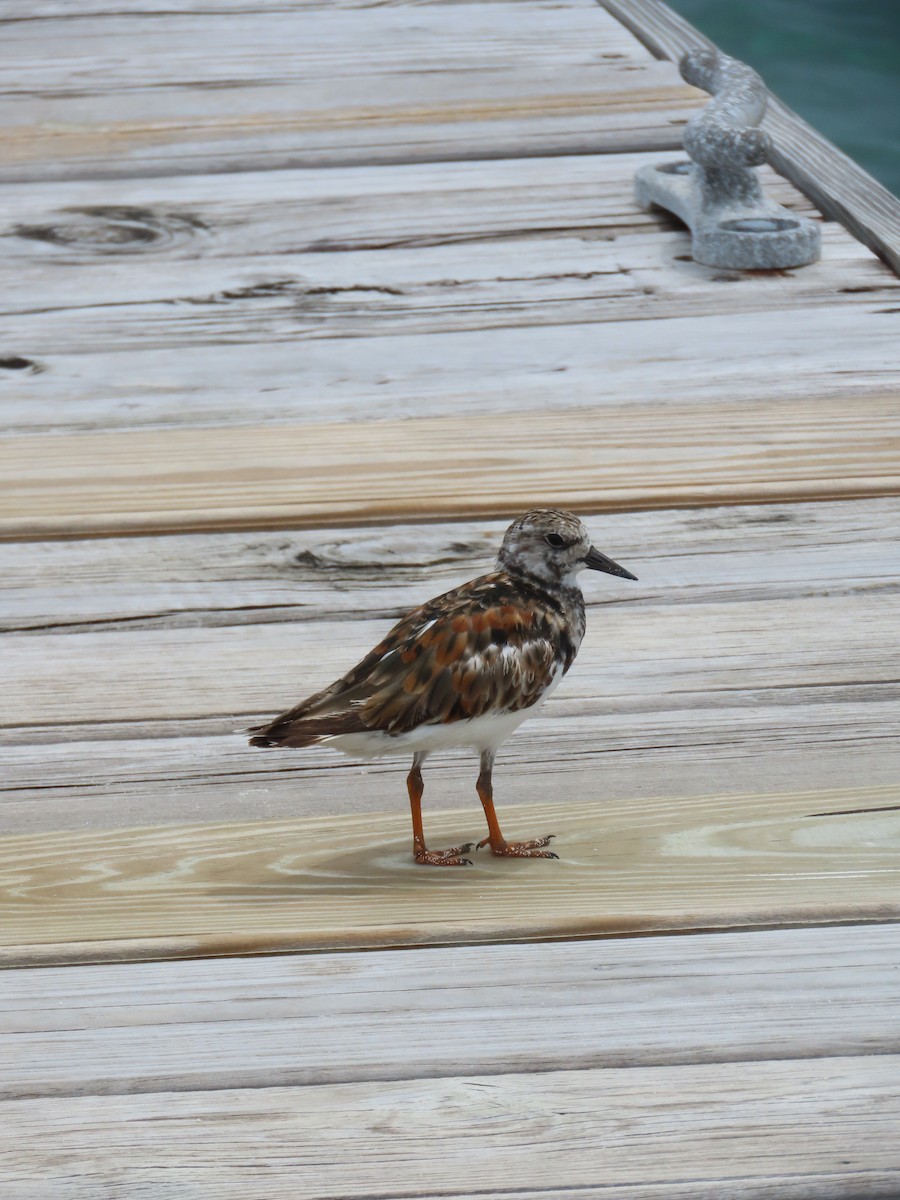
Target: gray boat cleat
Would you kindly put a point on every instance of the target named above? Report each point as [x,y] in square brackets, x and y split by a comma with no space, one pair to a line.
[717,192]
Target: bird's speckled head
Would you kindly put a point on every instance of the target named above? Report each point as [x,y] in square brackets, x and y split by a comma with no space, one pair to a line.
[552,546]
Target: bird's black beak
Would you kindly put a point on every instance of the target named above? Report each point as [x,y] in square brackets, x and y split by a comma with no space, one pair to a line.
[596,561]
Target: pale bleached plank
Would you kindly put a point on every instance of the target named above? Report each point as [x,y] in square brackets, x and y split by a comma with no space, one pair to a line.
[194,351]
[838,185]
[662,375]
[33,9]
[30,10]
[631,654]
[765,1131]
[268,45]
[720,554]
[302,211]
[151,94]
[288,1020]
[137,773]
[254,476]
[261,300]
[349,882]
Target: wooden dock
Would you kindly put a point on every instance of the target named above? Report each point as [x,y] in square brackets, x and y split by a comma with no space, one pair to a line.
[302,302]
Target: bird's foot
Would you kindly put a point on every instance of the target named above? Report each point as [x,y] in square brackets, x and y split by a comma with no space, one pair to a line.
[444,858]
[530,849]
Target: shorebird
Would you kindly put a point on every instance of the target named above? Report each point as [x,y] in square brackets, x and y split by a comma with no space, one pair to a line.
[464,669]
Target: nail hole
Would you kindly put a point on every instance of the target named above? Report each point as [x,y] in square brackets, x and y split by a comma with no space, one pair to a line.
[15,362]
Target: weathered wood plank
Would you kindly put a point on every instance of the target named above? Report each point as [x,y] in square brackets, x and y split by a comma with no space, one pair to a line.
[338,209]
[766,1131]
[720,554]
[830,350]
[147,772]
[20,10]
[64,366]
[792,610]
[290,1020]
[262,300]
[350,881]
[735,451]
[836,184]
[149,93]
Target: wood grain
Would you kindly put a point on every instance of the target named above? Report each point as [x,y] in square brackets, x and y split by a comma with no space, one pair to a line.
[844,354]
[263,300]
[835,183]
[775,1131]
[292,212]
[346,882]
[761,553]
[222,91]
[290,1020]
[351,331]
[319,474]
[151,772]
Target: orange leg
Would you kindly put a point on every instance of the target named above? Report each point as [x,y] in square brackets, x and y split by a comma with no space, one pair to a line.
[431,858]
[498,843]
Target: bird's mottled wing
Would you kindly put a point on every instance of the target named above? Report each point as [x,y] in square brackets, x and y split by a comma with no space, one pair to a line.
[461,655]
[462,665]
[336,706]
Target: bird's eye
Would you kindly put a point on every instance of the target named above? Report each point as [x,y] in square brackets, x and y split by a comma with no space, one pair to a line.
[554,540]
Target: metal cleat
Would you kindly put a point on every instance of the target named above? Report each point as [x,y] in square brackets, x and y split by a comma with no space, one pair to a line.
[717,194]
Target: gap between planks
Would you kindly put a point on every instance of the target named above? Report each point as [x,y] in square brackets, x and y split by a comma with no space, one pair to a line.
[331,883]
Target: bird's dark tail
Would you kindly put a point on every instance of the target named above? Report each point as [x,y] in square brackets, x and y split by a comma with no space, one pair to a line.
[262,740]
[289,736]
[298,732]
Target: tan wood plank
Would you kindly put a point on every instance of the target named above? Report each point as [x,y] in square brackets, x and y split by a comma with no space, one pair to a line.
[317,474]
[755,653]
[837,185]
[350,881]
[767,1131]
[287,1020]
[161,93]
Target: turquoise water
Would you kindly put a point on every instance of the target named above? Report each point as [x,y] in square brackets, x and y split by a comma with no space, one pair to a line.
[835,62]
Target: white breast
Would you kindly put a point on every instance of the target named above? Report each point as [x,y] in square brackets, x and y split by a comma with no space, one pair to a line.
[480,733]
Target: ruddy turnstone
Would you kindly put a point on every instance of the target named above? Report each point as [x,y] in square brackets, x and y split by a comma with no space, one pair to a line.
[465,669]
